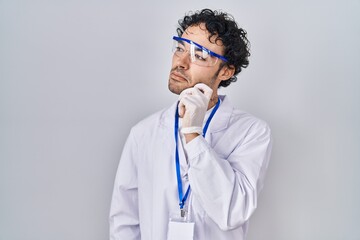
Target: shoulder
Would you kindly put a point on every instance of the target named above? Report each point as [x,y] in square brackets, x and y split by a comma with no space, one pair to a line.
[238,118]
[160,119]
[247,119]
[239,124]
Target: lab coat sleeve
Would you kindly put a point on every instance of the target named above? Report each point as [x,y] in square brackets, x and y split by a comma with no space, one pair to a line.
[228,188]
[124,218]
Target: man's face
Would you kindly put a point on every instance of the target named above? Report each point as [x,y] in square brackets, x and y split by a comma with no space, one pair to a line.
[185,74]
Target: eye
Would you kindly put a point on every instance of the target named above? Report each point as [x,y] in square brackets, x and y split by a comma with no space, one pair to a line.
[179,49]
[198,57]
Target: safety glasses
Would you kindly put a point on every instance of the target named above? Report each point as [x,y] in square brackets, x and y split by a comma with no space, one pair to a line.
[199,55]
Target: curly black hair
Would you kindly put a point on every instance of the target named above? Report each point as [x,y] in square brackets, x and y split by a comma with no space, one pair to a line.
[224,27]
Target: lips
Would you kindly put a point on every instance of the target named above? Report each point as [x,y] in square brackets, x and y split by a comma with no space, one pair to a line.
[179,77]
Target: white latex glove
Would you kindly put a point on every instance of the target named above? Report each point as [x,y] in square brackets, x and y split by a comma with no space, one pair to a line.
[193,106]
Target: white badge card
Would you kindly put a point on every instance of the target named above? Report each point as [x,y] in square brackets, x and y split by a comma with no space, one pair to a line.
[180,230]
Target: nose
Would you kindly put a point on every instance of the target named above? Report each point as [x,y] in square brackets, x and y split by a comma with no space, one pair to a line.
[182,61]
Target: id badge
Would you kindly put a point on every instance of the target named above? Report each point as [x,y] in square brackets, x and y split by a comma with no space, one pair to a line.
[180,230]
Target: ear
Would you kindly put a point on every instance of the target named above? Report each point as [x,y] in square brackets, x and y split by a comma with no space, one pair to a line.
[226,72]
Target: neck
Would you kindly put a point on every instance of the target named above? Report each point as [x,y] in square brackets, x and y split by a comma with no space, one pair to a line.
[213,101]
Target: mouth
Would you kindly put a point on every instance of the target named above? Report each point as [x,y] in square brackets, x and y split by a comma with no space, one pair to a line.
[178,77]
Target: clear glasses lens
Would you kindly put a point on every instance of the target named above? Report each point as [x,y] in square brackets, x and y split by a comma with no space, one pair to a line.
[197,55]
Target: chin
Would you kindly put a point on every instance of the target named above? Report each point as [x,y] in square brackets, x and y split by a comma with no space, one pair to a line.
[175,88]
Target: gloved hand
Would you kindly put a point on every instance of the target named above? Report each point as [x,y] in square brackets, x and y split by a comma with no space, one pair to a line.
[193,106]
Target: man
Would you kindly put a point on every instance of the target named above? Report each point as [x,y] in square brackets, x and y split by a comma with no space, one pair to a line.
[194,171]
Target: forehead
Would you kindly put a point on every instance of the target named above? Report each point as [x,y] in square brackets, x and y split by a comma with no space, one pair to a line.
[200,35]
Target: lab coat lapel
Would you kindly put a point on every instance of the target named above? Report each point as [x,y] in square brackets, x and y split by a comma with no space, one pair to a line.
[221,118]
[168,120]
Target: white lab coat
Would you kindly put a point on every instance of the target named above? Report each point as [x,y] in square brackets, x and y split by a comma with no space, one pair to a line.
[225,170]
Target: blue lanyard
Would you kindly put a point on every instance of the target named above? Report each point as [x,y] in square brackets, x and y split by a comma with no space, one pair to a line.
[182,198]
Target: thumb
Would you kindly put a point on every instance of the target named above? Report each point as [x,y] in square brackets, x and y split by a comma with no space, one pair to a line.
[181,109]
[205,89]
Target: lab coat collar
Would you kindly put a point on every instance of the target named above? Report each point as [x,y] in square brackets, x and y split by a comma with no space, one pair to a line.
[219,122]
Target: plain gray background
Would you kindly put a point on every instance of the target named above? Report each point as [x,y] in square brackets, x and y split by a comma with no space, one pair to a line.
[76,75]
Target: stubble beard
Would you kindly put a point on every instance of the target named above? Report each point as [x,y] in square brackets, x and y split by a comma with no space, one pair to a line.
[172,84]
[178,89]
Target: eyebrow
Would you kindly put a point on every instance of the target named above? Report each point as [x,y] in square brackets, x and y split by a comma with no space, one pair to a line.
[182,42]
[197,48]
